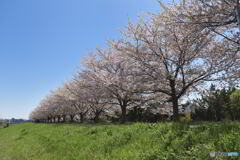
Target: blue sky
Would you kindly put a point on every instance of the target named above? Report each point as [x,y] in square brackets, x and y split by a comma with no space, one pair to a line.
[42,43]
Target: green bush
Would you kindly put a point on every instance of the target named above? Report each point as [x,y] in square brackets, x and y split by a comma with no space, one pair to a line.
[3,125]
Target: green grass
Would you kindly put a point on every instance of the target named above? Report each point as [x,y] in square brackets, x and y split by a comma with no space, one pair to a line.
[142,141]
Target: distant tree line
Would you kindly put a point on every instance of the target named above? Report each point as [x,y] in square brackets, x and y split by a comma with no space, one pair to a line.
[159,62]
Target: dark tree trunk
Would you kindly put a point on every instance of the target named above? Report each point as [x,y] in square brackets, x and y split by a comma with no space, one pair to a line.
[48,121]
[96,118]
[81,117]
[124,113]
[71,118]
[64,118]
[175,109]
[59,119]
[174,101]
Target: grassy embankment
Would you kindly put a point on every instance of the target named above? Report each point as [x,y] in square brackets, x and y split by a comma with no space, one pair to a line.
[163,141]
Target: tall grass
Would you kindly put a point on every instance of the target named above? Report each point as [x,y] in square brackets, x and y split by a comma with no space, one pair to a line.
[140,141]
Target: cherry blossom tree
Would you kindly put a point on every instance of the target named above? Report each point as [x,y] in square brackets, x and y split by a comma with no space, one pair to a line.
[177,57]
[78,99]
[45,111]
[64,101]
[91,96]
[116,75]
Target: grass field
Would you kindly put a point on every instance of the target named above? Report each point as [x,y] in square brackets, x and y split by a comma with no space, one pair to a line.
[142,141]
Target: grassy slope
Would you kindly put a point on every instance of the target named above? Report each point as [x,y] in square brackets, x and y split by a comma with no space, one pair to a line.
[136,141]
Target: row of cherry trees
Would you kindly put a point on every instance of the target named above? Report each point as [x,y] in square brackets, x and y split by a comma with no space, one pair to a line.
[164,57]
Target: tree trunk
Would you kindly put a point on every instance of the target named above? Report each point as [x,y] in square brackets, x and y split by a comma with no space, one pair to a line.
[59,118]
[174,101]
[124,113]
[48,120]
[96,118]
[64,118]
[71,117]
[81,117]
[175,109]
